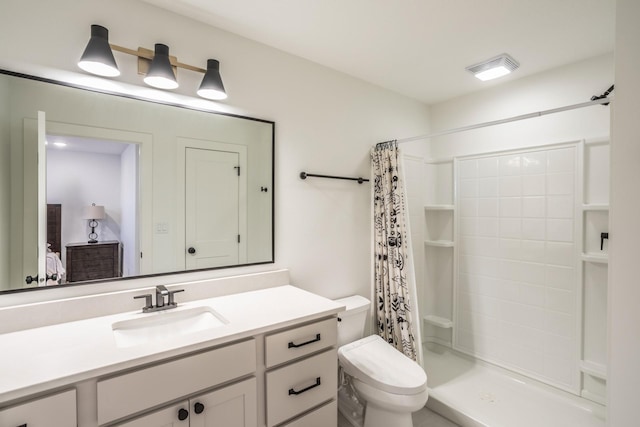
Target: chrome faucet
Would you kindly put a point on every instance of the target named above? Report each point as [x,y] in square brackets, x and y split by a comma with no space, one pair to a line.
[161,293]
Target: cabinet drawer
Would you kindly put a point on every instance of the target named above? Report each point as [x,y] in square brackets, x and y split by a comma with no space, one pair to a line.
[140,390]
[294,343]
[324,416]
[58,410]
[300,386]
[93,253]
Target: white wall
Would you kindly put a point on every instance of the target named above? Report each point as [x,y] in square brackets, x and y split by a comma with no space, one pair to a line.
[326,122]
[572,84]
[76,179]
[624,292]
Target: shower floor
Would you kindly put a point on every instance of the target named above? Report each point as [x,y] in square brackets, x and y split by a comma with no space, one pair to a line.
[475,394]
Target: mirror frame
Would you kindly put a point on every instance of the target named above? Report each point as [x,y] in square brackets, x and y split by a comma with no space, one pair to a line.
[170,104]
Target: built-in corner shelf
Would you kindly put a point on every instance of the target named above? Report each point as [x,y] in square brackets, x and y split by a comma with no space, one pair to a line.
[594,369]
[438,321]
[438,207]
[597,258]
[439,243]
[595,207]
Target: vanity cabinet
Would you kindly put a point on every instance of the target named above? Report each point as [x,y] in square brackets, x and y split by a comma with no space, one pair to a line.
[273,364]
[230,406]
[57,410]
[302,366]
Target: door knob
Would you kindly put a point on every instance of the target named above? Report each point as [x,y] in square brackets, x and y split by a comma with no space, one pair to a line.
[183,414]
[191,250]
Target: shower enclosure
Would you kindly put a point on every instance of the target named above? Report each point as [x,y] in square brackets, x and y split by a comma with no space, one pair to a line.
[512,282]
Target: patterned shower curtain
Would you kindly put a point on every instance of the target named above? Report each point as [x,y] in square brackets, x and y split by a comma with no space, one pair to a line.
[391,250]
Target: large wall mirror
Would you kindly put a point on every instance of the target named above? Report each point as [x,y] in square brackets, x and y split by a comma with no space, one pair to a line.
[95,186]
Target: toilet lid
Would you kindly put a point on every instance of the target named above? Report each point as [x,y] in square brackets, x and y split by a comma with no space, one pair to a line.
[375,362]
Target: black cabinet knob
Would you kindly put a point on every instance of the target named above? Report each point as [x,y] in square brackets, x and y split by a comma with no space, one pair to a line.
[30,280]
[183,414]
[198,408]
[191,250]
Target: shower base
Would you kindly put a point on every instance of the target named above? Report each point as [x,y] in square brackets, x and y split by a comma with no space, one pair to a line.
[473,393]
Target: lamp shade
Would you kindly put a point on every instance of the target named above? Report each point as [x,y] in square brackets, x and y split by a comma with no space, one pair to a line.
[98,57]
[160,72]
[93,212]
[211,86]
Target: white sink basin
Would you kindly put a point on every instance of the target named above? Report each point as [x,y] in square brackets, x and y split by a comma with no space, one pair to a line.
[164,325]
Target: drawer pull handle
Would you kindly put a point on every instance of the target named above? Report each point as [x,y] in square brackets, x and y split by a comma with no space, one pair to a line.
[183,414]
[297,392]
[23,425]
[198,408]
[316,339]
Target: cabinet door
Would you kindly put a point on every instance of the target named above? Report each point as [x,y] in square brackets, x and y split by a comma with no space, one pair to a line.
[166,417]
[58,410]
[231,406]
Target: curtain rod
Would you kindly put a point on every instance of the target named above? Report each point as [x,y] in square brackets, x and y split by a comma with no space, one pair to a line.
[598,101]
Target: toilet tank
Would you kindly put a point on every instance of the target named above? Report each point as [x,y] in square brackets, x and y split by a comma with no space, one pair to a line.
[352,320]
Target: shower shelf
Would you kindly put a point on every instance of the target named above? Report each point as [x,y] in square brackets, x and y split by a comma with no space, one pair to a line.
[438,321]
[595,207]
[439,207]
[597,258]
[439,243]
[594,369]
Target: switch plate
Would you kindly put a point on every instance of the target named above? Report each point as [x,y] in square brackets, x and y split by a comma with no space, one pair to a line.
[162,228]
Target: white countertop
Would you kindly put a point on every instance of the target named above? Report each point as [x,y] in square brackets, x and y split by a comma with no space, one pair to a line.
[36,360]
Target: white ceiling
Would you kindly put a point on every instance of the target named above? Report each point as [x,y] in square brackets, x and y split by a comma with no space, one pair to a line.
[418,48]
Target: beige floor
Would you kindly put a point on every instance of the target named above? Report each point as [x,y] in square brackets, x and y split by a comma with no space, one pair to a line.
[422,418]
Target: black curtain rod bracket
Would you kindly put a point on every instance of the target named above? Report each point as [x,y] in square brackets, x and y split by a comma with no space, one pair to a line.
[304,175]
[604,95]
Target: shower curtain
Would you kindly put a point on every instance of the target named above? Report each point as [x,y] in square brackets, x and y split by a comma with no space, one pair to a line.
[394,280]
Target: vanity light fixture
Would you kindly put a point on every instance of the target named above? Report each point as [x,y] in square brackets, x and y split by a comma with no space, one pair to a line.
[493,68]
[93,213]
[159,68]
[98,57]
[160,72]
[211,86]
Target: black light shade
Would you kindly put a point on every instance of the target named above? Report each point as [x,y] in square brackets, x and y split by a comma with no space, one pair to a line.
[211,86]
[98,57]
[160,72]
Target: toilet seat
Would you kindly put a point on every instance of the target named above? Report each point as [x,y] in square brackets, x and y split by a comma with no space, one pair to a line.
[375,362]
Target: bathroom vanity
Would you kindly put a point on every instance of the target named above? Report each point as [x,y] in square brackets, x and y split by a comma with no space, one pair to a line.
[258,358]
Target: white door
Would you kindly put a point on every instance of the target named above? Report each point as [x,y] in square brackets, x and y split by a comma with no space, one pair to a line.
[212,232]
[35,202]
[231,406]
[42,200]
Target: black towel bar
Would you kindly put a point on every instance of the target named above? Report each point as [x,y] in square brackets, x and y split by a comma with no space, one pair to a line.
[304,175]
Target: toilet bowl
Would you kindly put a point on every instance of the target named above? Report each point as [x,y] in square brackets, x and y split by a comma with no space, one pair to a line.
[391,384]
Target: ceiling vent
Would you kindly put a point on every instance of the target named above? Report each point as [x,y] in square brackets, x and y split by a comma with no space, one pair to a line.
[495,67]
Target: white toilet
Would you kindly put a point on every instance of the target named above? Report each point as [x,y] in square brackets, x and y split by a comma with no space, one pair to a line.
[391,384]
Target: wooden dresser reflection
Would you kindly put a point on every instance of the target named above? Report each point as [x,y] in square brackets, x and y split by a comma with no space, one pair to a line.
[93,261]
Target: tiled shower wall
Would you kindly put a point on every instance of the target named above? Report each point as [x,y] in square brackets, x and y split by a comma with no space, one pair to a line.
[517,244]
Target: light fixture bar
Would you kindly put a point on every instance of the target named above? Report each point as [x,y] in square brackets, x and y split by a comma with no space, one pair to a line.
[159,68]
[144,53]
